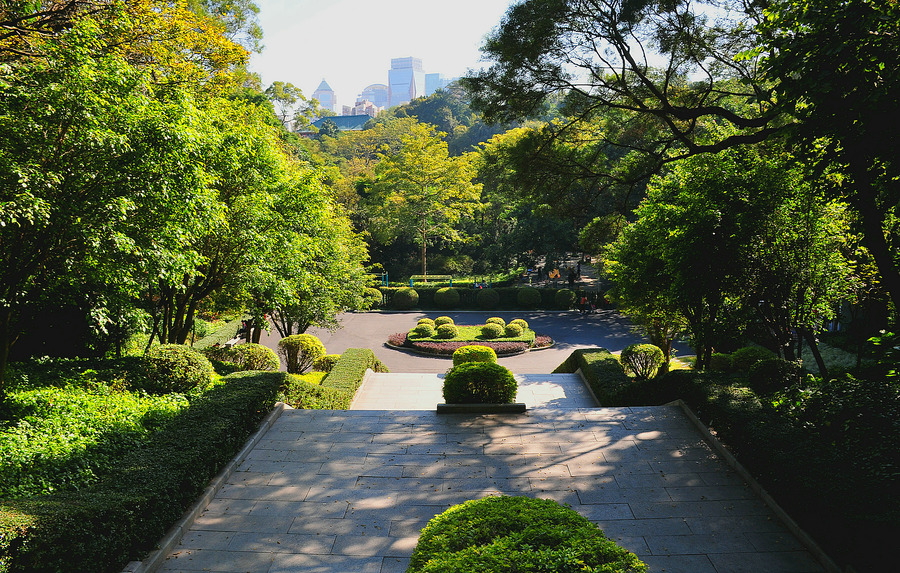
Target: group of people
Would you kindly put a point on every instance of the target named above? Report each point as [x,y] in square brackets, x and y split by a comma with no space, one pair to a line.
[552,272]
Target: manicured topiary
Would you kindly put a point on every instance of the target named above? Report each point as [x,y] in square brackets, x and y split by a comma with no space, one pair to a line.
[474,353]
[521,322]
[512,330]
[564,299]
[488,535]
[405,298]
[487,299]
[744,358]
[446,297]
[720,362]
[300,351]
[443,320]
[325,363]
[423,330]
[176,368]
[479,383]
[495,320]
[643,360]
[447,331]
[774,374]
[372,298]
[255,357]
[491,330]
[426,320]
[528,297]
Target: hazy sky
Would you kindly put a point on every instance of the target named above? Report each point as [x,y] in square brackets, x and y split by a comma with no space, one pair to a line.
[350,43]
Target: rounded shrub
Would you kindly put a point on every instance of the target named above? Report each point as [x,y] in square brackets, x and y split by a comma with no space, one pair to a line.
[495,320]
[446,297]
[488,534]
[443,320]
[474,353]
[325,363]
[720,362]
[423,330]
[643,360]
[512,330]
[774,374]
[743,358]
[372,298]
[176,368]
[487,299]
[528,297]
[405,298]
[564,299]
[479,383]
[491,330]
[447,331]
[426,320]
[255,357]
[300,351]
[521,322]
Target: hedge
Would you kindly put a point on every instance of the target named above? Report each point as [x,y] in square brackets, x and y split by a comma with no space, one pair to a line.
[338,388]
[228,331]
[496,298]
[103,527]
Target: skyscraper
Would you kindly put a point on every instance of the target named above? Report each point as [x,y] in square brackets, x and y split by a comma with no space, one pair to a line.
[377,94]
[406,80]
[325,95]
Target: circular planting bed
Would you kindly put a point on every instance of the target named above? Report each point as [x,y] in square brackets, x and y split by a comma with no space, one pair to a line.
[505,340]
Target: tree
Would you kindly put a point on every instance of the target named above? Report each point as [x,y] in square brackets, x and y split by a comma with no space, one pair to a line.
[421,192]
[284,96]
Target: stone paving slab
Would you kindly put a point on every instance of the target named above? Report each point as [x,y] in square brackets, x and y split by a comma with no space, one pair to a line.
[349,491]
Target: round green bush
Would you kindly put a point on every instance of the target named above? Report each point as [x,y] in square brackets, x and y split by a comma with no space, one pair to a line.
[521,322]
[300,351]
[528,297]
[405,298]
[491,330]
[720,362]
[479,383]
[743,358]
[325,363]
[176,368]
[512,330]
[372,298]
[426,320]
[446,297]
[643,360]
[774,374]
[495,320]
[488,534]
[443,320]
[474,353]
[447,331]
[487,299]
[255,357]
[564,299]
[423,330]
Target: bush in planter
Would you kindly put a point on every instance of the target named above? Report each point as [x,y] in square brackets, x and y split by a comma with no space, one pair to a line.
[528,297]
[176,368]
[447,331]
[300,351]
[446,297]
[426,320]
[443,320]
[405,298]
[474,353]
[491,330]
[521,322]
[743,358]
[487,534]
[372,298]
[423,330]
[479,383]
[643,360]
[774,374]
[512,330]
[564,299]
[487,299]
[495,320]
[325,363]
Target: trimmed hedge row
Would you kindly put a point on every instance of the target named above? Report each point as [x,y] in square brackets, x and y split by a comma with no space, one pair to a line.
[338,388]
[508,298]
[228,331]
[103,527]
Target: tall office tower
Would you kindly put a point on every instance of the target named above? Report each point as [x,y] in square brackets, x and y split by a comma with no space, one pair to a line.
[377,94]
[406,80]
[325,95]
[435,82]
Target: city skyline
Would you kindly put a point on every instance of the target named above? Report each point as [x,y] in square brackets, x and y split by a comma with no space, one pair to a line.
[352,48]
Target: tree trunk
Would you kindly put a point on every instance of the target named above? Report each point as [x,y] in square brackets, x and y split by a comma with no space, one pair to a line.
[814,347]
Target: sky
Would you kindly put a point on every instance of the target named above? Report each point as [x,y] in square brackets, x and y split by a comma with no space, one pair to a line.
[350,43]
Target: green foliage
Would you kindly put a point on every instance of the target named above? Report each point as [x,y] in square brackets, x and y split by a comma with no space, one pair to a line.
[512,330]
[602,370]
[495,320]
[521,322]
[443,320]
[248,356]
[300,351]
[337,390]
[721,362]
[373,298]
[744,358]
[447,331]
[222,335]
[474,353]
[643,360]
[774,375]
[326,363]
[564,299]
[176,368]
[487,299]
[479,383]
[426,320]
[528,297]
[489,534]
[492,330]
[405,298]
[446,297]
[423,330]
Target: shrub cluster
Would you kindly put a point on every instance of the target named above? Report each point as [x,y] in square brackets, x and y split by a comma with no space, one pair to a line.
[479,383]
[495,320]
[426,320]
[487,299]
[564,299]
[528,297]
[774,375]
[489,534]
[512,330]
[177,368]
[228,331]
[372,298]
[300,351]
[442,320]
[326,363]
[446,297]
[405,298]
[474,353]
[447,331]
[643,360]
[242,357]
[424,330]
[337,390]
[521,322]
[492,330]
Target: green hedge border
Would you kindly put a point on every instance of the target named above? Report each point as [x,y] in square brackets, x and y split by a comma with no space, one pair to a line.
[338,388]
[228,331]
[468,298]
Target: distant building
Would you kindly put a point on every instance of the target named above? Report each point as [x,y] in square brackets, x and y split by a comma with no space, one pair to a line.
[325,95]
[435,82]
[362,107]
[406,80]
[377,94]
